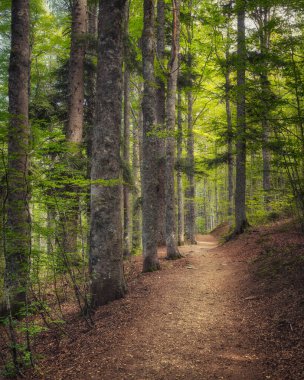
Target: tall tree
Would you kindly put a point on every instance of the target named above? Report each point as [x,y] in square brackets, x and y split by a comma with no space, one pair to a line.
[171,240]
[136,211]
[150,157]
[190,189]
[18,216]
[74,130]
[240,185]
[126,139]
[180,199]
[106,248]
[262,16]
[161,120]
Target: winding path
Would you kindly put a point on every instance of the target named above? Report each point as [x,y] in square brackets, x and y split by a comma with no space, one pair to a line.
[186,322]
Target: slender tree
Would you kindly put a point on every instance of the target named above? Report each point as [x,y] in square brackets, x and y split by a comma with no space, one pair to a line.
[18,216]
[228,87]
[190,189]
[150,149]
[180,199]
[136,220]
[171,240]
[240,186]
[106,248]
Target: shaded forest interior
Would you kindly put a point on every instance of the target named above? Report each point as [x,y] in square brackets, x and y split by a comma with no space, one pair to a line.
[128,129]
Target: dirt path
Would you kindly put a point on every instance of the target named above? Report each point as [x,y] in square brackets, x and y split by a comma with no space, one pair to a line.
[187,322]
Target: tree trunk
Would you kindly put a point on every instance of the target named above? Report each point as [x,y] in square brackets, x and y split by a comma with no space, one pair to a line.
[150,167]
[106,248]
[171,240]
[74,130]
[126,145]
[90,82]
[161,122]
[266,92]
[240,190]
[229,132]
[136,225]
[190,190]
[18,217]
[180,199]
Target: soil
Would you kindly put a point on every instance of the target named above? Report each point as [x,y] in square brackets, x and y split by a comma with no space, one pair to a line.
[219,313]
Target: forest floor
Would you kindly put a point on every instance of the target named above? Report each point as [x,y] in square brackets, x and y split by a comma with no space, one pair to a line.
[231,311]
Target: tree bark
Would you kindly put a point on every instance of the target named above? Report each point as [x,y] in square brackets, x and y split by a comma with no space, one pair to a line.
[74,130]
[266,92]
[171,240]
[161,121]
[180,199]
[90,82]
[126,144]
[136,220]
[150,168]
[229,131]
[240,190]
[190,190]
[106,248]
[18,217]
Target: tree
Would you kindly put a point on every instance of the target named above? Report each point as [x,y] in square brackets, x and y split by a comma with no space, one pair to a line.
[106,248]
[74,130]
[171,240]
[180,199]
[126,140]
[161,120]
[240,186]
[190,189]
[18,215]
[150,168]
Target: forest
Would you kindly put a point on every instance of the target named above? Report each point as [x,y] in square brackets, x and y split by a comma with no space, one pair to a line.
[152,158]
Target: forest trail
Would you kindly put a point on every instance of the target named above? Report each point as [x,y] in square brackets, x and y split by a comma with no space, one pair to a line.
[188,321]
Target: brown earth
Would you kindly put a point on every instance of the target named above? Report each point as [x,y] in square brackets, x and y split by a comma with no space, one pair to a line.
[215,314]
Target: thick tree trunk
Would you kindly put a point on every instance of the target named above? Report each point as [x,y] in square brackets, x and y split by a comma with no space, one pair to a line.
[240,190]
[180,199]
[161,122]
[150,167]
[74,130]
[190,190]
[106,248]
[18,238]
[171,240]
[126,145]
